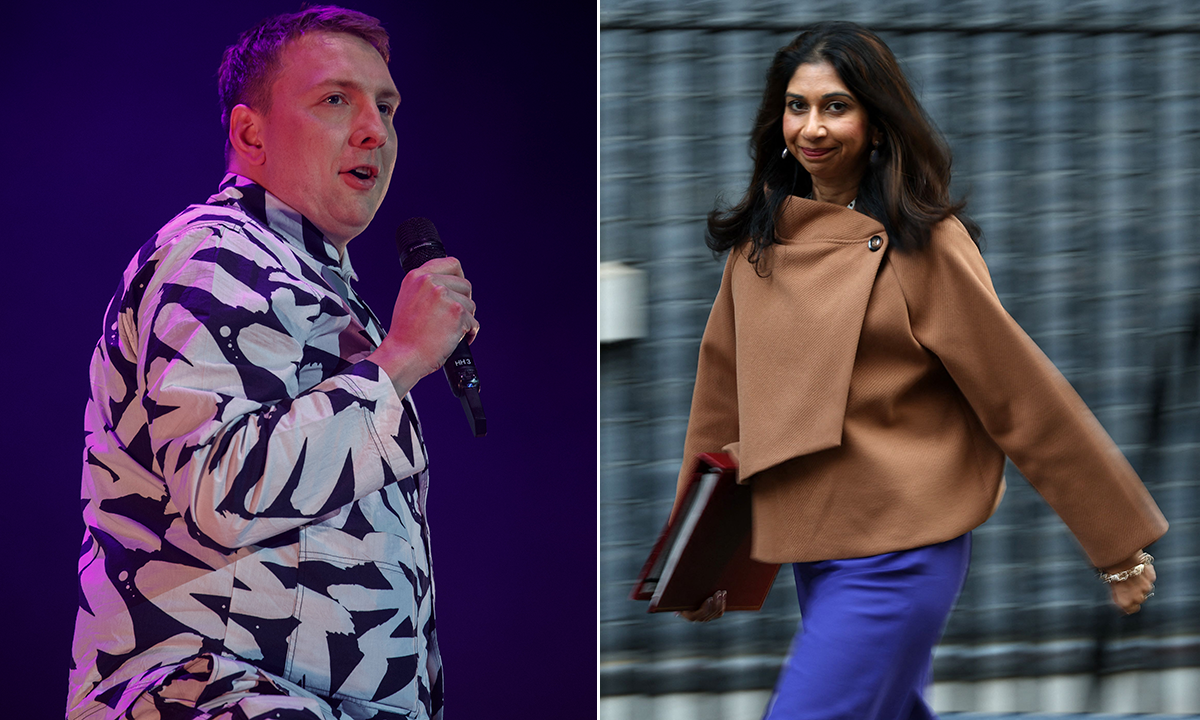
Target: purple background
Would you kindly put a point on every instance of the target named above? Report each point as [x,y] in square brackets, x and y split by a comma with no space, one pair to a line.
[111,127]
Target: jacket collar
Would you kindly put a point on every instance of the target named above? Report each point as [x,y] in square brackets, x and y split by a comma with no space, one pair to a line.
[804,220]
[283,221]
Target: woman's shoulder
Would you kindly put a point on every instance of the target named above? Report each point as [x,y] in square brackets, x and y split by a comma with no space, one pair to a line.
[947,238]
[951,235]
[950,256]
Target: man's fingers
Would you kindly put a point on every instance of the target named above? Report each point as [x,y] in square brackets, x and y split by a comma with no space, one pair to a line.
[450,281]
[447,288]
[443,266]
[434,311]
[454,283]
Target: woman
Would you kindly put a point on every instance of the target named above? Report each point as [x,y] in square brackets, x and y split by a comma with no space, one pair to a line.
[860,367]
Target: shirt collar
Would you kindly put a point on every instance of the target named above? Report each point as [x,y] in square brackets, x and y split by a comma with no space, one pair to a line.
[283,220]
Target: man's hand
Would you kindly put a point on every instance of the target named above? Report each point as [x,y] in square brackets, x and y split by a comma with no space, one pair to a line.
[433,312]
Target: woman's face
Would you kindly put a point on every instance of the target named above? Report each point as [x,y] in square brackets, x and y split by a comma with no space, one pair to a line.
[824,125]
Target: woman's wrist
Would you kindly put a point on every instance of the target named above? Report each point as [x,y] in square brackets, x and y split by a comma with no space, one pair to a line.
[1124,564]
[1131,567]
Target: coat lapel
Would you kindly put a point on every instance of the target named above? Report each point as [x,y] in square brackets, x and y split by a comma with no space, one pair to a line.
[797,332]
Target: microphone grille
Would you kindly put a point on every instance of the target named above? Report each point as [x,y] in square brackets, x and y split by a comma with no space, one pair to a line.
[417,242]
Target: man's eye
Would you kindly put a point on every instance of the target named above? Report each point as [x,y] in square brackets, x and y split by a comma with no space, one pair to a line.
[335,100]
[385,109]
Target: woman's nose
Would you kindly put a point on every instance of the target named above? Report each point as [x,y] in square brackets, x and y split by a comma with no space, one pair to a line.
[813,127]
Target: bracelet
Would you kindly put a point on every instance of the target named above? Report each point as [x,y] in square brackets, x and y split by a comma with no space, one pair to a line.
[1142,561]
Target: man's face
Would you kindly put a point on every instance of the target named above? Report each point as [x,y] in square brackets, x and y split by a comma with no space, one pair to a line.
[328,139]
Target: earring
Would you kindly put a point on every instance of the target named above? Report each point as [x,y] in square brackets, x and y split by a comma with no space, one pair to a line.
[875,154]
[784,152]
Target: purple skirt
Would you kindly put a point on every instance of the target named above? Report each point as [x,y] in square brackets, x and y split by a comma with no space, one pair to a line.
[865,646]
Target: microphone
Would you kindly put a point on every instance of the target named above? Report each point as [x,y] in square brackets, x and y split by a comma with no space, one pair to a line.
[417,242]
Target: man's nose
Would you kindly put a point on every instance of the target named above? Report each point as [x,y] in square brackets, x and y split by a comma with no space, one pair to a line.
[371,131]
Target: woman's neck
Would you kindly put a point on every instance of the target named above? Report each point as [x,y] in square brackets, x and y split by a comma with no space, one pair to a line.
[838,193]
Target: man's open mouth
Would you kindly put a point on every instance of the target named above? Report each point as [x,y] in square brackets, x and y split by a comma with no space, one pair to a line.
[362,173]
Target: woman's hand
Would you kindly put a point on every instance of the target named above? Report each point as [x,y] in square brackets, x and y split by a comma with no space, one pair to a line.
[711,609]
[1129,595]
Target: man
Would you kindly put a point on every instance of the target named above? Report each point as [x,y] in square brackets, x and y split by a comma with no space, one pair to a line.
[254,476]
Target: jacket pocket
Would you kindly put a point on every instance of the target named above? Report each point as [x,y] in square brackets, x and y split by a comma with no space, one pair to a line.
[356,634]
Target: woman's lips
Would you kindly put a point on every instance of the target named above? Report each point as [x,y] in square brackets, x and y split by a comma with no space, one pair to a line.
[814,153]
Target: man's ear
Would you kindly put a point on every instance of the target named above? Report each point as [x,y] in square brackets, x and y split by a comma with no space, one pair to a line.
[246,135]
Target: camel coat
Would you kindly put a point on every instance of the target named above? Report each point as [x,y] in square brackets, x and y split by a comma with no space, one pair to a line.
[871,395]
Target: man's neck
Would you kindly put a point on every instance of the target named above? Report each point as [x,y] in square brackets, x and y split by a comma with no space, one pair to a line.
[254,174]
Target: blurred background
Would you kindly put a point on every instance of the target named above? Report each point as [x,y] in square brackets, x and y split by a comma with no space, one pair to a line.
[1075,128]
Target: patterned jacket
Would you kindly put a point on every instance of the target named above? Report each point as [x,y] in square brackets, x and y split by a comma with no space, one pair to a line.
[253,488]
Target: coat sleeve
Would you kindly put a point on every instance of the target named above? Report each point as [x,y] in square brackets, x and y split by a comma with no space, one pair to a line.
[222,338]
[1026,406]
[713,420]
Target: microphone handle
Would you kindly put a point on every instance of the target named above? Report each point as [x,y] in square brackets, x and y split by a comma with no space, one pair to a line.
[459,368]
[464,383]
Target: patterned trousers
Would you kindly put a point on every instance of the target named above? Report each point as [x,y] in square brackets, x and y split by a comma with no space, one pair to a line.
[221,688]
[865,647]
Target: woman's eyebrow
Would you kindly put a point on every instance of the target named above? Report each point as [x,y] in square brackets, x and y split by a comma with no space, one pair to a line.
[836,93]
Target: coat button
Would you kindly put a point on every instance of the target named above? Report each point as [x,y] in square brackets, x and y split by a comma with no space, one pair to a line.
[875,243]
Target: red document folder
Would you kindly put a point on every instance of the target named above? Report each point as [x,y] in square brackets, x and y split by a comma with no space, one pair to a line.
[706,547]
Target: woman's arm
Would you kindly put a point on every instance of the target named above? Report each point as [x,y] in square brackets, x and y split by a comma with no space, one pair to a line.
[1023,402]
[713,420]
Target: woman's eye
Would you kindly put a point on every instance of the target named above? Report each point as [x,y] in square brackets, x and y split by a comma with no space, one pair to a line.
[796,106]
[837,107]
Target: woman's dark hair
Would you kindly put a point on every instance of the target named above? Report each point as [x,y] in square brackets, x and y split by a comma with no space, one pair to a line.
[906,186]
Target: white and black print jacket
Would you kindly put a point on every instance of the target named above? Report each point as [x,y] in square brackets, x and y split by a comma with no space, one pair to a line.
[253,488]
